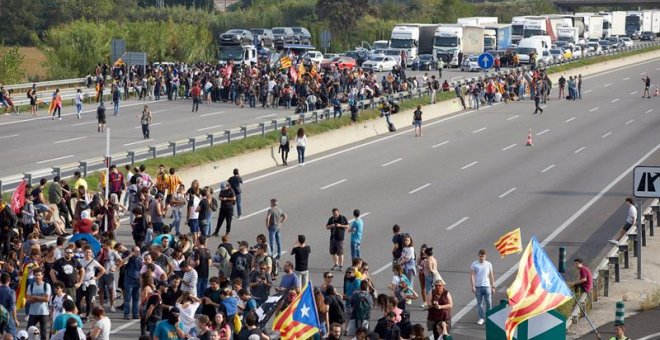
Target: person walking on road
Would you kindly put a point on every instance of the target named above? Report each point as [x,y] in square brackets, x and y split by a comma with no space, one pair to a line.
[301,252]
[459,94]
[482,282]
[284,145]
[630,221]
[537,101]
[57,104]
[579,86]
[32,95]
[235,182]
[337,224]
[356,234]
[647,86]
[100,117]
[79,101]
[227,201]
[439,308]
[116,96]
[562,85]
[275,218]
[301,144]
[417,121]
[196,94]
[585,279]
[145,120]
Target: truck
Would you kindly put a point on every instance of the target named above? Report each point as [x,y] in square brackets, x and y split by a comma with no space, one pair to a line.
[596,26]
[246,54]
[568,34]
[538,25]
[618,23]
[380,45]
[452,39]
[633,24]
[651,21]
[517,29]
[477,21]
[497,36]
[405,37]
[426,34]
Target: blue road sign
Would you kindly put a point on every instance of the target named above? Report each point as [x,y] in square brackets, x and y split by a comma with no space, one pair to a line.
[486,61]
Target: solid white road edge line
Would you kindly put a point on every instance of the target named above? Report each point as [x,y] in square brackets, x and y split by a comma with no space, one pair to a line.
[69,140]
[54,159]
[210,127]
[561,228]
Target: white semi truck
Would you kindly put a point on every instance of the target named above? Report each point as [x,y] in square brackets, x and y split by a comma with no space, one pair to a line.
[618,23]
[517,29]
[415,39]
[452,39]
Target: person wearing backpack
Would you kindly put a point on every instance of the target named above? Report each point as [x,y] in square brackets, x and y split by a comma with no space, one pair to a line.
[38,295]
[361,305]
[284,145]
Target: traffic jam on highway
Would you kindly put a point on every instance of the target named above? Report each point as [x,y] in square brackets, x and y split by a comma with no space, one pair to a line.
[142,243]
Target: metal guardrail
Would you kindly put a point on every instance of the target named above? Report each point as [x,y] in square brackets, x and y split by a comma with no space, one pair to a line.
[193,143]
[47,85]
[617,254]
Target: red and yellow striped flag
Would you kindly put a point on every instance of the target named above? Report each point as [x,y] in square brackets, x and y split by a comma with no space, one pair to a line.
[285,62]
[509,243]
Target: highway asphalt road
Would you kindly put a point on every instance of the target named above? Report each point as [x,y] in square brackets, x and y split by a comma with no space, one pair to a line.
[71,140]
[466,182]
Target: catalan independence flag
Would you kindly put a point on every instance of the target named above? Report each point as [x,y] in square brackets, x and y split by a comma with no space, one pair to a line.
[509,243]
[537,288]
[300,319]
[285,62]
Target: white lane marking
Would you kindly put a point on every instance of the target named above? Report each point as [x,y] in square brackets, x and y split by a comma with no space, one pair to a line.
[507,192]
[440,144]
[626,78]
[608,84]
[392,162]
[10,136]
[124,326]
[254,213]
[548,168]
[457,223]
[211,114]
[649,111]
[607,134]
[470,306]
[643,73]
[158,111]
[615,100]
[579,150]
[569,120]
[266,116]
[362,215]
[420,188]
[633,92]
[382,269]
[210,127]
[594,109]
[85,123]
[469,165]
[479,130]
[654,335]
[139,142]
[586,91]
[333,184]
[630,121]
[54,159]
[542,132]
[69,140]
[509,147]
[513,117]
[150,125]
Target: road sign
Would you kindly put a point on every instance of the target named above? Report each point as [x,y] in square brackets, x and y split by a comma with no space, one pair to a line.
[486,61]
[135,58]
[547,326]
[118,48]
[646,181]
[325,39]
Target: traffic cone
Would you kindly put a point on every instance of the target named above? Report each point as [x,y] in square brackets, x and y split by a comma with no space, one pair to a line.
[529,138]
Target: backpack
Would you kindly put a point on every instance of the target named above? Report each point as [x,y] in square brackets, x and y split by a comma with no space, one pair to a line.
[362,308]
[275,269]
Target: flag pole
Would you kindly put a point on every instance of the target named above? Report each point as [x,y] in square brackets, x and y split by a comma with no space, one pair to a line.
[584,311]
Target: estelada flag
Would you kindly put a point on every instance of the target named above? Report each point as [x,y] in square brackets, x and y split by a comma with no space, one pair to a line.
[509,243]
[294,74]
[285,62]
[538,288]
[18,198]
[300,320]
[301,68]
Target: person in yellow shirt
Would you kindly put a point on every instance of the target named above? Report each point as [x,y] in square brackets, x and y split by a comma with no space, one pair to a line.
[173,182]
[78,181]
[162,179]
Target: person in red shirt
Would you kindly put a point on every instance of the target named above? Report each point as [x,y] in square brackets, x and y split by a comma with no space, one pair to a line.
[585,281]
[196,93]
[116,181]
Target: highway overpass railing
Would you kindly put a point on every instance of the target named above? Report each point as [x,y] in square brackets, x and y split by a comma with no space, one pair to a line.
[193,143]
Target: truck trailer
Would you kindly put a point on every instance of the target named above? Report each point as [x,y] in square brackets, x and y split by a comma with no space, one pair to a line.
[452,39]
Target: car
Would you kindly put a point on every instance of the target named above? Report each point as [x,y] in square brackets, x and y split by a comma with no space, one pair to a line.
[561,44]
[314,56]
[594,40]
[523,54]
[264,37]
[379,63]
[301,36]
[627,42]
[647,35]
[557,54]
[605,45]
[470,64]
[282,36]
[360,56]
[544,58]
[426,62]
[329,56]
[595,48]
[396,54]
[236,37]
[339,62]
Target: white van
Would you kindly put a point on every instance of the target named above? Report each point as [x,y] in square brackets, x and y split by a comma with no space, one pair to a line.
[532,44]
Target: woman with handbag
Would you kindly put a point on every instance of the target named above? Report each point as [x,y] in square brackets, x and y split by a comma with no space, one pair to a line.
[284,145]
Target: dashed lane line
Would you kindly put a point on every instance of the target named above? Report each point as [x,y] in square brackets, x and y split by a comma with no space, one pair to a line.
[507,192]
[457,223]
[419,188]
[548,168]
[509,147]
[333,184]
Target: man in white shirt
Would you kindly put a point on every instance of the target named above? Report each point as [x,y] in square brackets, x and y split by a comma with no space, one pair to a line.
[630,221]
[189,280]
[482,282]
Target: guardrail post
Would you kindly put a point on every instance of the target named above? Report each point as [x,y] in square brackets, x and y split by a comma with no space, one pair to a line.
[289,120]
[656,210]
[605,274]
[562,260]
[614,260]
[131,157]
[274,123]
[173,146]
[634,238]
[193,142]
[28,178]
[211,138]
[315,116]
[326,113]
[57,171]
[152,149]
[262,126]
[244,129]
[83,167]
[228,133]
[643,225]
[623,248]
[1,188]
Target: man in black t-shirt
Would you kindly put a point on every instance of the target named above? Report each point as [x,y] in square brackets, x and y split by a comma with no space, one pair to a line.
[203,261]
[337,224]
[227,200]
[235,184]
[204,209]
[301,253]
[64,270]
[241,263]
[212,298]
